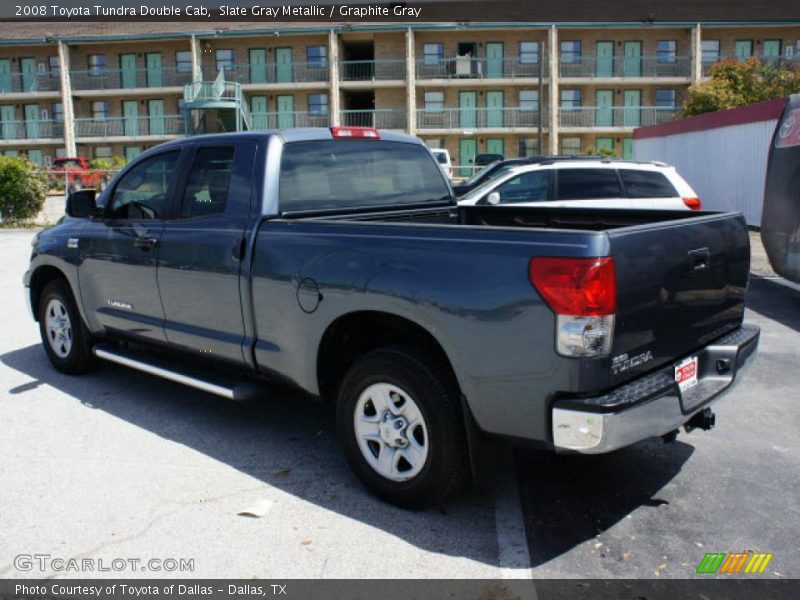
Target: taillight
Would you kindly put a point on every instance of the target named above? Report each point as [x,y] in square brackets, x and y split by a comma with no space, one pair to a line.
[583,294]
[693,203]
[355,132]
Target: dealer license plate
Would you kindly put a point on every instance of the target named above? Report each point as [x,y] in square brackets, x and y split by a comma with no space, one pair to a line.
[686,373]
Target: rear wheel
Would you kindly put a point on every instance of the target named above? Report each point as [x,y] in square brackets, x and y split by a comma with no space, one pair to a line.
[66,339]
[399,424]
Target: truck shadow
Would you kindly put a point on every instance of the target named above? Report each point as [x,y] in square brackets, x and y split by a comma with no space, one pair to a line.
[288,442]
[773,300]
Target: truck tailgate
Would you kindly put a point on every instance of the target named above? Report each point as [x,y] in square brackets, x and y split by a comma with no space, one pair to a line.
[680,285]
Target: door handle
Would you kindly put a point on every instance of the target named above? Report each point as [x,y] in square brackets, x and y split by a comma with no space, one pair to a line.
[699,258]
[145,243]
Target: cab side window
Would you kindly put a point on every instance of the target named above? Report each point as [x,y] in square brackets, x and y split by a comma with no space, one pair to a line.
[527,187]
[588,184]
[209,182]
[142,192]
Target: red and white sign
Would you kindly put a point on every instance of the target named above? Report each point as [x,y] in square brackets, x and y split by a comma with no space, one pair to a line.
[686,373]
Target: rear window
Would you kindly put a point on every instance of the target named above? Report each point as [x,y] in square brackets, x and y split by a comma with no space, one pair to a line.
[588,184]
[332,174]
[647,184]
[441,157]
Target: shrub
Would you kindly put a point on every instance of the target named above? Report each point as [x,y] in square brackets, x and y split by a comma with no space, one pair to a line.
[22,191]
[108,164]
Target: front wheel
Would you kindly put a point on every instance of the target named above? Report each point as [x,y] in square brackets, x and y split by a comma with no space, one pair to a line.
[400,426]
[66,339]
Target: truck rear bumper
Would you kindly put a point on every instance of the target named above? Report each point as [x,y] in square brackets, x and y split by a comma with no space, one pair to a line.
[652,405]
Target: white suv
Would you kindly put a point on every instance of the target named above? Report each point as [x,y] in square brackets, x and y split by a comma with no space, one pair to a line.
[585,182]
[442,156]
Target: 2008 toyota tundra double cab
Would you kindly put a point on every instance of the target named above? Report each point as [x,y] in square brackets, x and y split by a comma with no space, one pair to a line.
[337,260]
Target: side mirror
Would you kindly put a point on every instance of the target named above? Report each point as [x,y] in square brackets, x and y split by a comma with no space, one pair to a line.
[81,204]
[493,198]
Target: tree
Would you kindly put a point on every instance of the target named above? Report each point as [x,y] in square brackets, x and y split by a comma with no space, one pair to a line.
[734,83]
[22,189]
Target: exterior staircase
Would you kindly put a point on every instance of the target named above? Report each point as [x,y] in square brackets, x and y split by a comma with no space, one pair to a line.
[215,106]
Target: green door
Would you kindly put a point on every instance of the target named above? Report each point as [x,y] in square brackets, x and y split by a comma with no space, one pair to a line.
[155,69]
[627,148]
[32,129]
[35,156]
[468,115]
[604,66]
[632,115]
[155,117]
[8,117]
[27,66]
[494,109]
[258,112]
[632,63]
[5,75]
[283,65]
[772,49]
[494,59]
[258,65]
[285,111]
[743,49]
[130,117]
[496,146]
[604,103]
[604,143]
[127,71]
[466,156]
[132,152]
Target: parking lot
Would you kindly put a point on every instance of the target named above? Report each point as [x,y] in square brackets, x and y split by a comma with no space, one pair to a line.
[118,464]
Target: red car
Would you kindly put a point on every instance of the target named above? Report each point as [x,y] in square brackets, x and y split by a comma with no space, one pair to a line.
[78,173]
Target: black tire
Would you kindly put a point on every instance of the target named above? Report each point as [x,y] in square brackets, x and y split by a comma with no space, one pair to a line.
[445,469]
[78,358]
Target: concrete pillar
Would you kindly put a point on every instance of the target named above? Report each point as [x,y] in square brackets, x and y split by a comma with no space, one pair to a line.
[333,53]
[552,116]
[197,59]
[66,101]
[697,53]
[411,82]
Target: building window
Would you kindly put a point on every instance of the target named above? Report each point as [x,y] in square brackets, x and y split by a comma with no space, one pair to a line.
[433,54]
[528,147]
[225,60]
[570,52]
[529,100]
[528,52]
[58,112]
[570,145]
[665,98]
[317,56]
[667,51]
[183,61]
[100,109]
[55,66]
[102,152]
[97,64]
[318,104]
[710,51]
[570,99]
[434,101]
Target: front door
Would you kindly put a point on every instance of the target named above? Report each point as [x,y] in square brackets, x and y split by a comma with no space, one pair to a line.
[119,288]
[604,103]
[127,71]
[604,67]
[285,111]
[494,59]
[494,109]
[27,67]
[5,75]
[155,70]
[130,117]
[627,148]
[467,103]
[258,65]
[632,63]
[8,118]
[632,115]
[155,117]
[604,143]
[283,65]
[772,49]
[743,49]
[199,260]
[258,112]
[467,149]
[35,156]
[32,129]
[131,152]
[496,146]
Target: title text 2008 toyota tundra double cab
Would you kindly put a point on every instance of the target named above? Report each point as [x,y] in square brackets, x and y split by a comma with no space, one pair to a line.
[337,260]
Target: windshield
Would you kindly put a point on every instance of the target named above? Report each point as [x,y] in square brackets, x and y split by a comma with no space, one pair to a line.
[489,173]
[332,174]
[67,162]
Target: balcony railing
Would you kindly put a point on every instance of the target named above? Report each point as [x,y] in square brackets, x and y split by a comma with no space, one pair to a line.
[625,66]
[212,91]
[464,67]
[616,116]
[31,130]
[16,83]
[477,118]
[288,119]
[382,118]
[123,79]
[368,70]
[157,126]
[296,72]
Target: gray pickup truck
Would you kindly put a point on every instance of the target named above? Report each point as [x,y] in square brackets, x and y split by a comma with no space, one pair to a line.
[336,260]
